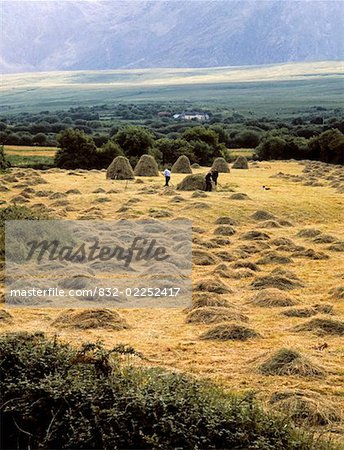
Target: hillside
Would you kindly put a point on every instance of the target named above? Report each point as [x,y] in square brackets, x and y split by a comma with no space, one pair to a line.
[140,34]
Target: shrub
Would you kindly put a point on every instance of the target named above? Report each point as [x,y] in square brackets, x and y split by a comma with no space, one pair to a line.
[77,150]
[134,140]
[107,153]
[328,147]
[4,164]
[58,397]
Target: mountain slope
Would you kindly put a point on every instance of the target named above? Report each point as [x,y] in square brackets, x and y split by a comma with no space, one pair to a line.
[93,34]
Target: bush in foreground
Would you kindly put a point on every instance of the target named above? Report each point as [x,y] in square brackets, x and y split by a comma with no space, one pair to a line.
[55,396]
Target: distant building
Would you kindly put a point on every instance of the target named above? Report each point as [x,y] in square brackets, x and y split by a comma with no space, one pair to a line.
[194,115]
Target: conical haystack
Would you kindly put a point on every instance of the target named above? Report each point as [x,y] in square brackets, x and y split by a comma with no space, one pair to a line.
[220,164]
[182,165]
[192,183]
[120,169]
[240,163]
[146,167]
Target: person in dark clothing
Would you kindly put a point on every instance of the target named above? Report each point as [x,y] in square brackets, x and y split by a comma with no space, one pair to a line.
[208,179]
[215,176]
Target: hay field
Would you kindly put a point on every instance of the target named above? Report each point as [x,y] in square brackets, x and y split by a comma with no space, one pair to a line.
[308,270]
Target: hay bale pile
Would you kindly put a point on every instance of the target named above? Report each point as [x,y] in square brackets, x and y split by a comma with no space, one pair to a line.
[229,332]
[209,314]
[220,164]
[194,182]
[322,327]
[290,362]
[120,169]
[90,318]
[240,163]
[270,298]
[182,165]
[305,407]
[146,167]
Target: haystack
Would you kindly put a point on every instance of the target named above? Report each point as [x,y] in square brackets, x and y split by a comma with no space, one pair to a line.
[262,214]
[305,407]
[182,165]
[322,327]
[220,164]
[272,297]
[201,299]
[208,314]
[90,318]
[278,282]
[146,167]
[120,169]
[229,332]
[240,163]
[195,166]
[290,362]
[212,285]
[192,183]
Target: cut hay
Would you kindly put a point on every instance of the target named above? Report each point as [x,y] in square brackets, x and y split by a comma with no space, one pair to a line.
[322,327]
[308,233]
[195,182]
[242,273]
[290,362]
[283,241]
[182,165]
[120,169]
[212,285]
[202,299]
[208,314]
[254,235]
[90,319]
[246,265]
[220,164]
[272,298]
[224,230]
[269,224]
[274,258]
[262,214]
[225,220]
[337,293]
[280,271]
[240,163]
[323,308]
[239,196]
[5,317]
[278,282]
[73,191]
[336,247]
[225,256]
[324,239]
[199,194]
[195,166]
[311,254]
[299,312]
[305,407]
[203,258]
[146,167]
[230,332]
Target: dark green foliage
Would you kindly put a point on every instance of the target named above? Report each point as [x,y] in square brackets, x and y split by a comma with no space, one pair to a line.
[328,147]
[247,139]
[58,397]
[4,164]
[134,140]
[77,150]
[107,153]
[171,149]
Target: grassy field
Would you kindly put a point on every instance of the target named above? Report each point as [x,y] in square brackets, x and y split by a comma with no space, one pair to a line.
[266,89]
[31,156]
[163,336]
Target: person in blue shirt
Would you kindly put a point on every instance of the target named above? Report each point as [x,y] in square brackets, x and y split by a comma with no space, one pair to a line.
[167,174]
